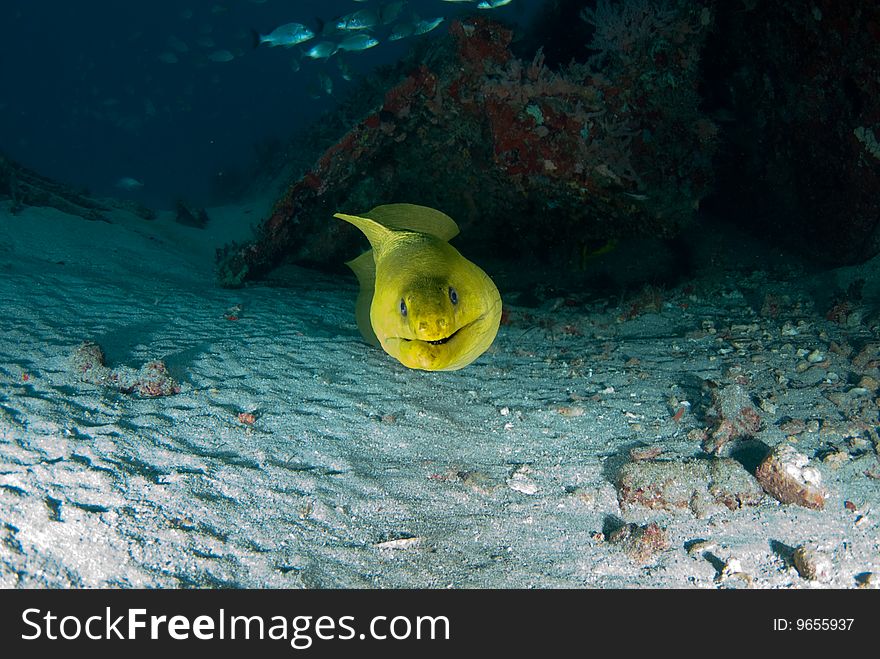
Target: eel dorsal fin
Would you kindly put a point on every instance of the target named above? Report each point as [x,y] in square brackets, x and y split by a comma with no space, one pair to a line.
[411,217]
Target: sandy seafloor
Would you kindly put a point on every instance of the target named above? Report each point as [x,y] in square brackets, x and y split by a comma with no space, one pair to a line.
[498,475]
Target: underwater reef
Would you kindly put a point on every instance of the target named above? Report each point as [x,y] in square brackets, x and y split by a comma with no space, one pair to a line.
[530,160]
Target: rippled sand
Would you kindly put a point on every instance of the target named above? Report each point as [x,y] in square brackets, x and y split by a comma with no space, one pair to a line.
[356,472]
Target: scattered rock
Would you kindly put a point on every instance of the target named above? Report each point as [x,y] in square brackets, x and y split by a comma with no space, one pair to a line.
[696,485]
[640,543]
[152,380]
[785,475]
[735,417]
[189,216]
[812,563]
[732,570]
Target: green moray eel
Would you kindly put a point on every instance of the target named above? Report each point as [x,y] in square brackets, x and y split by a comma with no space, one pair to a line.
[420,299]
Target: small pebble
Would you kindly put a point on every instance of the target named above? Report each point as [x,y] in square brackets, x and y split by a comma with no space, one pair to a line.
[733,569]
[812,563]
[815,357]
[869,383]
[871,581]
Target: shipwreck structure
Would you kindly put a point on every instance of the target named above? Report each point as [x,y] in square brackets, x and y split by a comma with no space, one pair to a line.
[529,160]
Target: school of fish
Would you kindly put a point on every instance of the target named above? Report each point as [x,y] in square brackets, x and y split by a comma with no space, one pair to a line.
[322,40]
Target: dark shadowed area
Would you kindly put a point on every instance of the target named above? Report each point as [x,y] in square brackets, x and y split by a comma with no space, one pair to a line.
[101,90]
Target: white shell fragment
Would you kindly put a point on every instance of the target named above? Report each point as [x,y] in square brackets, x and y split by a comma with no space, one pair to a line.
[400,543]
[520,482]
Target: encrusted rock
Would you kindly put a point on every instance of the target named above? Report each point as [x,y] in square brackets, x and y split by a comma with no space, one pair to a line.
[696,485]
[640,543]
[152,380]
[735,416]
[813,563]
[786,475]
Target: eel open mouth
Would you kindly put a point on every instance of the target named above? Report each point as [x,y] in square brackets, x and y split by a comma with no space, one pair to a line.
[444,340]
[440,342]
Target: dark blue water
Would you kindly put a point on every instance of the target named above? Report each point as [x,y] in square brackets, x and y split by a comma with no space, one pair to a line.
[87,96]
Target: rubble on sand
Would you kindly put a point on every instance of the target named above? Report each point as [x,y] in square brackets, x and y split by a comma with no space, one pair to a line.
[696,485]
[152,380]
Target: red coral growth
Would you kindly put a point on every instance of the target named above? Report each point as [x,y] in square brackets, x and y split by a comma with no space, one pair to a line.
[480,41]
[582,143]
[420,83]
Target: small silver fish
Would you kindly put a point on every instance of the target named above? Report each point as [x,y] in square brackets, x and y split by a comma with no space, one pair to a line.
[321,50]
[325,82]
[363,19]
[321,86]
[221,56]
[359,41]
[344,70]
[129,184]
[423,27]
[287,35]
[176,44]
[401,31]
[493,4]
[389,13]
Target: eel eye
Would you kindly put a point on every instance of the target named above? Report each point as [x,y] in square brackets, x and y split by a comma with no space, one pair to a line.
[453,296]
[402,307]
